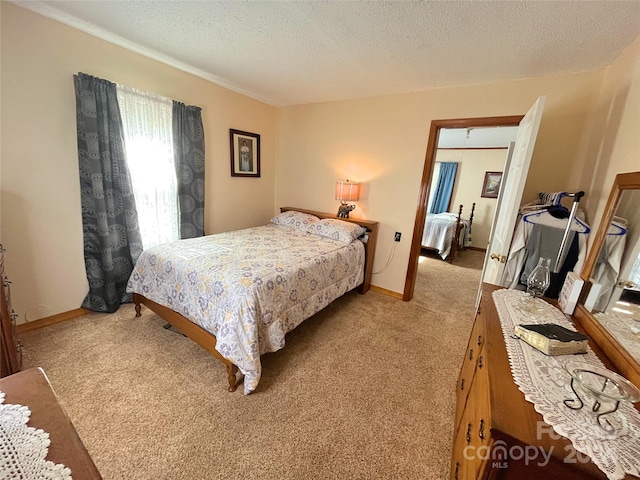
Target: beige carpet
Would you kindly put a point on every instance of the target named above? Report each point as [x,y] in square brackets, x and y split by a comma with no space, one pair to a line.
[363,390]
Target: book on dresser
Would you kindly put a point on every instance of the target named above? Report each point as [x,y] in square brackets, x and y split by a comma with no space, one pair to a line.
[552,339]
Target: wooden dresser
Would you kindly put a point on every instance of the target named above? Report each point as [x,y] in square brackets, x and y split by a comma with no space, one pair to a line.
[492,415]
[11,349]
[32,389]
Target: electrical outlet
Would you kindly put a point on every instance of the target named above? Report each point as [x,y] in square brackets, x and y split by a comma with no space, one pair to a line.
[397,236]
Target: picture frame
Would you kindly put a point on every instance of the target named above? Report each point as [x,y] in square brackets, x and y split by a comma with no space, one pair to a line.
[491,185]
[245,153]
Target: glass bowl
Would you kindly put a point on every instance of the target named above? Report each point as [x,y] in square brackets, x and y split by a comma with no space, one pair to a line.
[603,383]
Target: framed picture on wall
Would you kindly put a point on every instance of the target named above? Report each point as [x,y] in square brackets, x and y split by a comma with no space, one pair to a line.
[491,185]
[245,153]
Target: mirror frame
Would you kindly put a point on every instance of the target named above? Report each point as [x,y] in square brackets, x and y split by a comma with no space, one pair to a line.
[628,366]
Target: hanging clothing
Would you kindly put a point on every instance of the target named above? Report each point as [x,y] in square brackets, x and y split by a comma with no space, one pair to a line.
[607,268]
[568,265]
[534,240]
[543,241]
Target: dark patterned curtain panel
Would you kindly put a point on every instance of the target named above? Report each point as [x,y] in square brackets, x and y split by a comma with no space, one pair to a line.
[188,146]
[112,242]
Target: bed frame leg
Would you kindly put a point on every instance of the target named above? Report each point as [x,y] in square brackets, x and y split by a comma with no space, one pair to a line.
[231,376]
[138,304]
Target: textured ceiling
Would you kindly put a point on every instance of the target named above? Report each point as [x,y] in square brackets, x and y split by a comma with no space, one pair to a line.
[297,52]
[477,137]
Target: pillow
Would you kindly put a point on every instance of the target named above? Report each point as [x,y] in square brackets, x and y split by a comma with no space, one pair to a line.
[338,230]
[294,219]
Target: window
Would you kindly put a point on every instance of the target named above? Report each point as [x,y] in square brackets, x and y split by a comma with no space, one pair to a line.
[147,124]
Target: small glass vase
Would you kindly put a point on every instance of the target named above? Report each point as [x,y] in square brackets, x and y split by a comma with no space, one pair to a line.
[537,283]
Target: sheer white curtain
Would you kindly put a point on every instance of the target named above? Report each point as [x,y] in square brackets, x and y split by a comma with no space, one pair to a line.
[434,185]
[148,134]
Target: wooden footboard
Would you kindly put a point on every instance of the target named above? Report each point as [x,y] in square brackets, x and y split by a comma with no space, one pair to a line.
[455,242]
[196,333]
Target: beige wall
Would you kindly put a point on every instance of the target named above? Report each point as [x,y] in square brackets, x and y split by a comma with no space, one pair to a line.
[382,142]
[588,133]
[41,221]
[472,165]
[614,142]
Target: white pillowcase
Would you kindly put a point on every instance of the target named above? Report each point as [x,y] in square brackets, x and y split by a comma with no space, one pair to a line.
[335,229]
[294,219]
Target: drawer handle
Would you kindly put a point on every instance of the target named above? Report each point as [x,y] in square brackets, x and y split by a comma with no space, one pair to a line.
[462,384]
[480,361]
[481,430]
[14,315]
[470,354]
[469,433]
[479,340]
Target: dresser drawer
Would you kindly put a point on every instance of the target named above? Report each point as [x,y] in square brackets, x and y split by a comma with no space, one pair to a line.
[471,360]
[472,437]
[11,351]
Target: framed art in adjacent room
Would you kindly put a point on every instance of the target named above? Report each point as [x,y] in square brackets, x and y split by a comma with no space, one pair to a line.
[245,153]
[491,185]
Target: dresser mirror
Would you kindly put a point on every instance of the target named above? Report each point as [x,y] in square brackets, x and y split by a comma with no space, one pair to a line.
[612,316]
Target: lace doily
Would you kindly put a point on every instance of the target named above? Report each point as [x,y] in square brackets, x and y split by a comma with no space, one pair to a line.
[546,383]
[620,326]
[23,449]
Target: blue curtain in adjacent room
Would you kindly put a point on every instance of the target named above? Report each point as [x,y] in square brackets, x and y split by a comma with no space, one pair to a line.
[444,188]
[112,242]
[188,146]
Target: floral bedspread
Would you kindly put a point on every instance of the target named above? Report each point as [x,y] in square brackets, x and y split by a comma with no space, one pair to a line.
[249,287]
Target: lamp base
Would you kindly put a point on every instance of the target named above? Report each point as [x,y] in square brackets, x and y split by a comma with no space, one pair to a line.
[344,209]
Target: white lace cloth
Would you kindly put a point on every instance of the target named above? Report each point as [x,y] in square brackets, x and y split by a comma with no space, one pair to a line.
[546,383]
[23,449]
[620,326]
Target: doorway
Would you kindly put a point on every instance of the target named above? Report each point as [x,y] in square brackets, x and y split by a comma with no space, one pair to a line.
[427,173]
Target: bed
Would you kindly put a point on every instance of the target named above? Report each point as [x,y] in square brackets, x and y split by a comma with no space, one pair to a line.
[446,233]
[238,293]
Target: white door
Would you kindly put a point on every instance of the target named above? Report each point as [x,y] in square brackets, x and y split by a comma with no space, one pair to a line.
[511,194]
[505,179]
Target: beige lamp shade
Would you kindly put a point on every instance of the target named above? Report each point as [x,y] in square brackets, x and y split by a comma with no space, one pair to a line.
[347,191]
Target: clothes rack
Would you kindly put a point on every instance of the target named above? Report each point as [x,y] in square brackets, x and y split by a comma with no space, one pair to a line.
[563,245]
[554,216]
[554,232]
[552,198]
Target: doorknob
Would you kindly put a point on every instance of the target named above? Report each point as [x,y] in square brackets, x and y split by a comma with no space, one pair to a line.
[497,256]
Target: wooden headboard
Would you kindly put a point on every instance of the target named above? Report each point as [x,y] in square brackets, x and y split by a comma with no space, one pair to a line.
[369,247]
